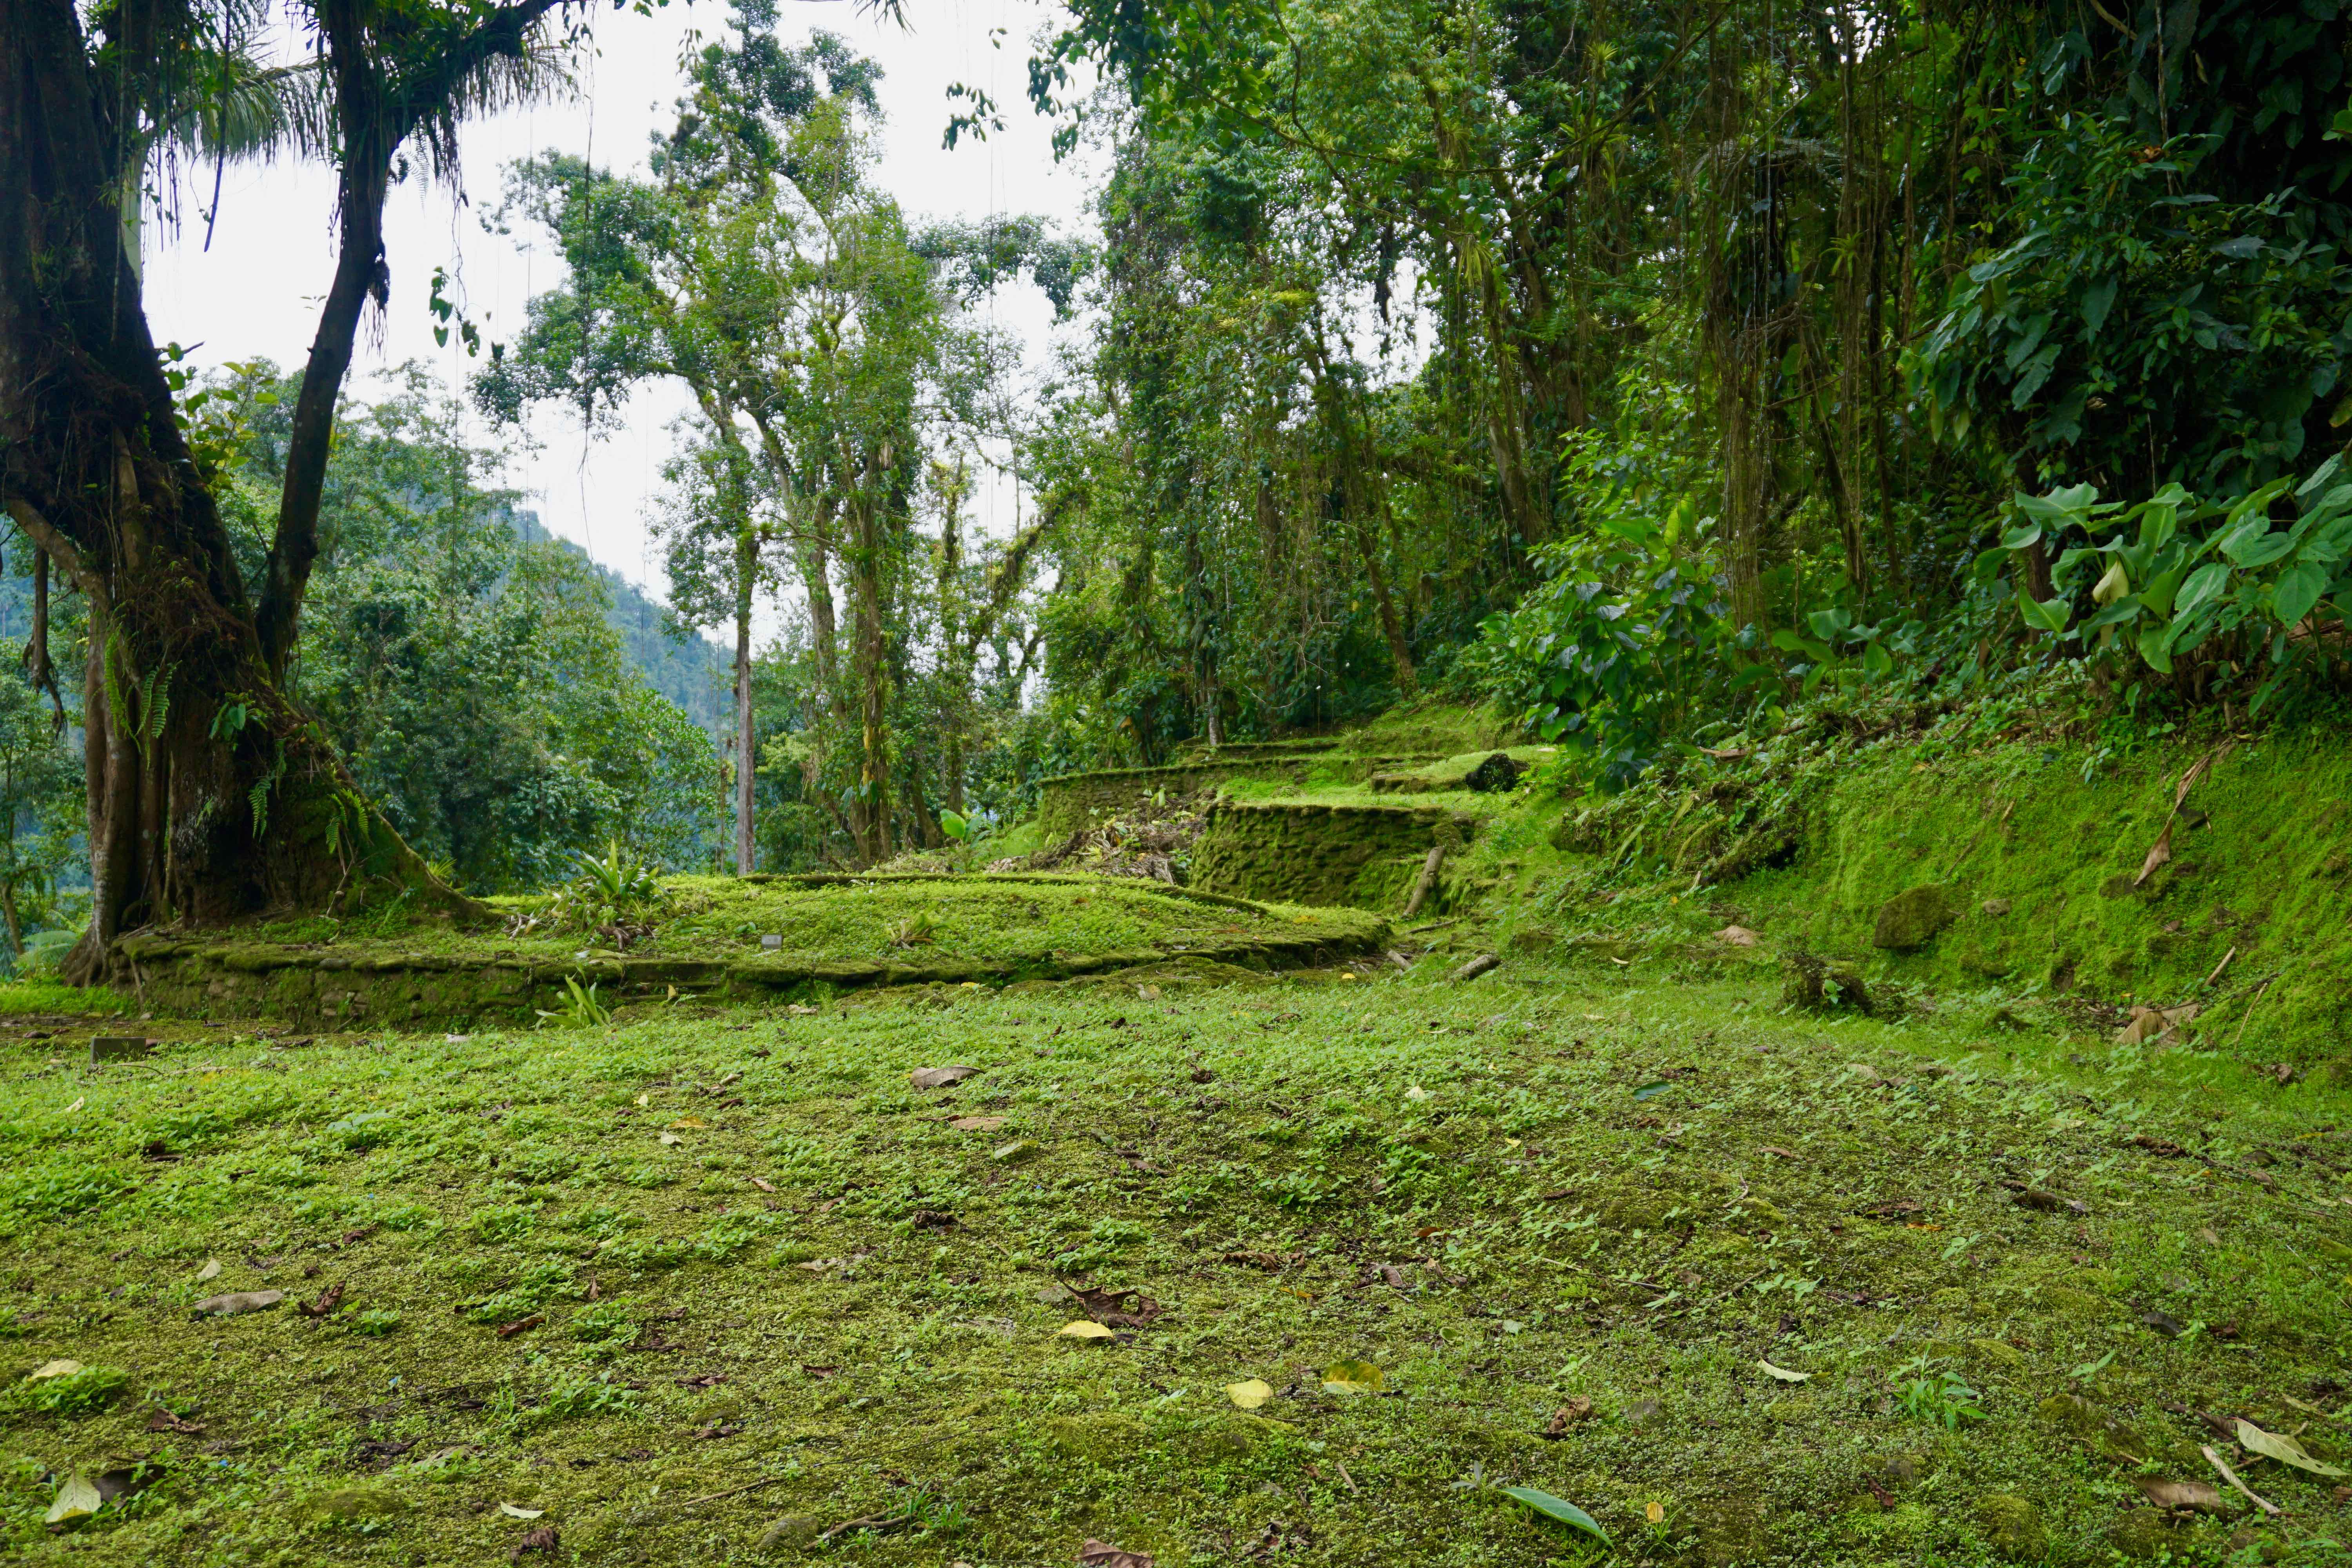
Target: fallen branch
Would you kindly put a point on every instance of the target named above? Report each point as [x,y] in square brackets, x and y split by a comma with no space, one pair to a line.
[1427,880]
[731,1492]
[2230,1475]
[1476,967]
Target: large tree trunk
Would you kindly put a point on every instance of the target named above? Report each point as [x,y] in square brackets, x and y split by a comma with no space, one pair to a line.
[212,796]
[747,566]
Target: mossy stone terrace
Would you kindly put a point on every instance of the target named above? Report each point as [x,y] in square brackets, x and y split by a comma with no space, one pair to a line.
[788,939]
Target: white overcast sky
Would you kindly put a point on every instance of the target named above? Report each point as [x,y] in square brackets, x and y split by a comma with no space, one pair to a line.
[255,292]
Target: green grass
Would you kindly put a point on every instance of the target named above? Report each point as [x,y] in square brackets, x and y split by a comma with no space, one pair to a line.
[1543,1189]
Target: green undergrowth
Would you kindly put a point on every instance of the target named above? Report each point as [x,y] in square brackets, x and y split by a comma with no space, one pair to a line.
[1004,922]
[755,1285]
[2021,860]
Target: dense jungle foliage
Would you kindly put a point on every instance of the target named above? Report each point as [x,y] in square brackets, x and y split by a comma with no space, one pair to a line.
[1645,369]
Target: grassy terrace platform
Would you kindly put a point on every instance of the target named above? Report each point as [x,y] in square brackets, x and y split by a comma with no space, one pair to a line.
[829,933]
[719,1284]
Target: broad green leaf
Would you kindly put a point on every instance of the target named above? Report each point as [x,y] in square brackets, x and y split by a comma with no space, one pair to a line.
[2279,1446]
[2299,589]
[2204,585]
[1876,662]
[2159,591]
[2154,647]
[2098,299]
[1560,1509]
[2320,475]
[2022,538]
[2049,616]
[954,825]
[1827,624]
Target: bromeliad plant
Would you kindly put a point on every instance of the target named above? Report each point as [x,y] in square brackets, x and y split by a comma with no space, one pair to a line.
[2197,593]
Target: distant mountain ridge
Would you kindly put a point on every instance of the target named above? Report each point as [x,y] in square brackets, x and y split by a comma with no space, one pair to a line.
[691,670]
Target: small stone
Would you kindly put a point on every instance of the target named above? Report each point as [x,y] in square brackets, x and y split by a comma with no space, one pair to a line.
[1496,774]
[2010,1525]
[771,943]
[1911,919]
[1996,907]
[792,1530]
[1018,1152]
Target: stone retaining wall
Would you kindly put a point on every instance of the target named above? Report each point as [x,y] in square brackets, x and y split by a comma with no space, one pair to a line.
[1306,853]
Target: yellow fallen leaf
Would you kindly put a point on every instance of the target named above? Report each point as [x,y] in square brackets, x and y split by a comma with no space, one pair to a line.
[645,1098]
[1083,1330]
[1250,1394]
[53,1369]
[1353,1377]
[671,1138]
[977,1124]
[1655,1513]
[1784,1375]
[1416,1094]
[693,1121]
[512,1512]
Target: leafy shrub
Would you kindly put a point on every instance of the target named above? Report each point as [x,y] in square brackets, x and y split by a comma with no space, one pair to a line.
[2184,589]
[1626,644]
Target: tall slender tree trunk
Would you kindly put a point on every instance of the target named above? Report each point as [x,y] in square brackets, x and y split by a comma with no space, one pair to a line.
[747,566]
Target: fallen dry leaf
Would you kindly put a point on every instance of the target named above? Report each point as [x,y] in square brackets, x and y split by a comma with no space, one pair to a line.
[1578,1409]
[978,1123]
[509,1330]
[211,1270]
[939,1077]
[1353,1377]
[1086,1331]
[515,1511]
[1736,936]
[2203,1496]
[237,1301]
[329,1299]
[49,1369]
[1776,1149]
[162,1420]
[1784,1375]
[543,1538]
[763,1186]
[1117,1309]
[1095,1554]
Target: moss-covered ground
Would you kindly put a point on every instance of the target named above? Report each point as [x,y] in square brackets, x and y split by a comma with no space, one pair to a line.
[708,1286]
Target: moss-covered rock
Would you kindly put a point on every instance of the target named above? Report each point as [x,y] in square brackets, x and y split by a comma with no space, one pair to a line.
[2143,1534]
[1912,918]
[1818,985]
[2010,1524]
